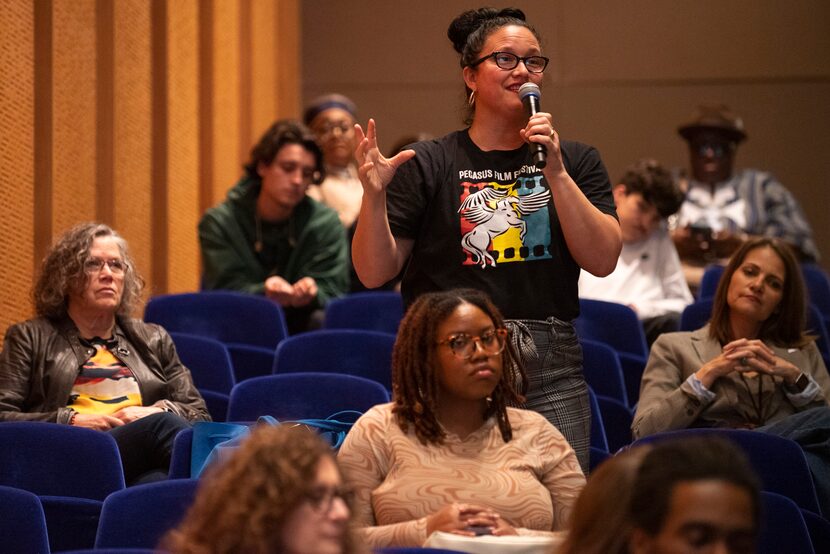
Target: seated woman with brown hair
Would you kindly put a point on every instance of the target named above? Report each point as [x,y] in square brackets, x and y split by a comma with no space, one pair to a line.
[751,367]
[281,491]
[85,362]
[448,454]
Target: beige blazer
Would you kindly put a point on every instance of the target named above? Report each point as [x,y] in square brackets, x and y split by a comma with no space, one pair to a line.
[668,402]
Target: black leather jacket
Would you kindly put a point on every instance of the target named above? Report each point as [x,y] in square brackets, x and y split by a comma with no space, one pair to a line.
[41,359]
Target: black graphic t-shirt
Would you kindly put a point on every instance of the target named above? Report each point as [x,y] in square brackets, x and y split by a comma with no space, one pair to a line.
[486,220]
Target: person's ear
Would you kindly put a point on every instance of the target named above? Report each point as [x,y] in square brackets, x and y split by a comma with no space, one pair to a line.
[469,75]
[639,542]
[619,191]
[261,168]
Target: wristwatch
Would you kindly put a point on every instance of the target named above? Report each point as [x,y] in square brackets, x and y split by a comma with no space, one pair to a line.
[799,385]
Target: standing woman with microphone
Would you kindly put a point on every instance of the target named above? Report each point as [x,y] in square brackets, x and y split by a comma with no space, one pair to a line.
[473,209]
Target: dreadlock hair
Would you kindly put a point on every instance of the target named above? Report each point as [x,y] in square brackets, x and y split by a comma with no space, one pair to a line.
[414,361]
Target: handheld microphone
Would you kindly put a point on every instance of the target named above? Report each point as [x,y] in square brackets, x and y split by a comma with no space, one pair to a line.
[530,96]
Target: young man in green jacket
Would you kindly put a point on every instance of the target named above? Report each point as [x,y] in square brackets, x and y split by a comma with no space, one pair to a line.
[268,237]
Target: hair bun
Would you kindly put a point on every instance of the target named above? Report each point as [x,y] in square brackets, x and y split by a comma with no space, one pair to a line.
[515,13]
[466,23]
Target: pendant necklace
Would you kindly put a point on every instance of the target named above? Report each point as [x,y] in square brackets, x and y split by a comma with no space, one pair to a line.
[258,241]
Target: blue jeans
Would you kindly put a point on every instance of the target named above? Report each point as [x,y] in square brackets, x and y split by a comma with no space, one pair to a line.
[146,444]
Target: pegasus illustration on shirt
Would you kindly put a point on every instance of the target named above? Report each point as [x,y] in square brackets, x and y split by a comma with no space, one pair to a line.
[494,211]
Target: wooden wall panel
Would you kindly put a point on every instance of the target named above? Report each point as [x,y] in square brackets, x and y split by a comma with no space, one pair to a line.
[706,39]
[132,130]
[226,109]
[74,114]
[135,113]
[183,265]
[622,76]
[287,57]
[265,60]
[17,80]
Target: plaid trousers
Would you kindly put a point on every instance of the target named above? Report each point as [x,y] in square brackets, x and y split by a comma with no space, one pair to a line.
[552,358]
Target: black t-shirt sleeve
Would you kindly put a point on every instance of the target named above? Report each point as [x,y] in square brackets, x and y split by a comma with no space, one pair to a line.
[586,169]
[413,187]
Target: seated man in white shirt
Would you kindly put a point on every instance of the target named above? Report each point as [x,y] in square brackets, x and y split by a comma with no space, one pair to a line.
[648,277]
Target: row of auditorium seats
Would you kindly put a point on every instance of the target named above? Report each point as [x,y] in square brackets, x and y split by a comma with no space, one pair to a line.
[252,327]
[236,318]
[138,516]
[132,521]
[352,352]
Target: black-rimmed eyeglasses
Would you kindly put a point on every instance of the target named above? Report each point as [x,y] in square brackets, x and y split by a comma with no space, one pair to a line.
[321,499]
[506,60]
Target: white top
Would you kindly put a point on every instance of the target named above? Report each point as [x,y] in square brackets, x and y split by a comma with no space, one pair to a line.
[724,210]
[648,277]
[342,192]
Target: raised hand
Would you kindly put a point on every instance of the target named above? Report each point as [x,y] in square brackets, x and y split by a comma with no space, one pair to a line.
[374,169]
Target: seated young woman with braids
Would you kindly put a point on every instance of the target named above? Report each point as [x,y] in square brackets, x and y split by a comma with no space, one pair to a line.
[448,454]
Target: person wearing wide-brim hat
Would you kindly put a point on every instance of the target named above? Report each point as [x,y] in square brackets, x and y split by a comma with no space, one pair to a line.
[717,119]
[723,206]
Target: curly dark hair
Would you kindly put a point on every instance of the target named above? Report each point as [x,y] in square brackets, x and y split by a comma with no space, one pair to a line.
[655,184]
[785,326]
[242,504]
[673,461]
[283,133]
[469,31]
[414,380]
[62,271]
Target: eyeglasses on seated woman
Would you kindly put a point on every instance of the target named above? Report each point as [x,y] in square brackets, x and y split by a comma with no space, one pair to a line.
[281,491]
[85,361]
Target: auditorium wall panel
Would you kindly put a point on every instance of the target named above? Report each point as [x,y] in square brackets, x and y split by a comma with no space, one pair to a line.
[132,131]
[17,169]
[180,266]
[138,114]
[622,76]
[74,117]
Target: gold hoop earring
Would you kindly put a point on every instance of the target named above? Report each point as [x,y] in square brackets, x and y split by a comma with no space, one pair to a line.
[472,99]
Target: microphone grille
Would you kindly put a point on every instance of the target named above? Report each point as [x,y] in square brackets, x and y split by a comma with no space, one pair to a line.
[529,89]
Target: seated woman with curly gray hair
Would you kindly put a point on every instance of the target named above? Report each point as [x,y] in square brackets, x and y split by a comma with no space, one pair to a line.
[83,361]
